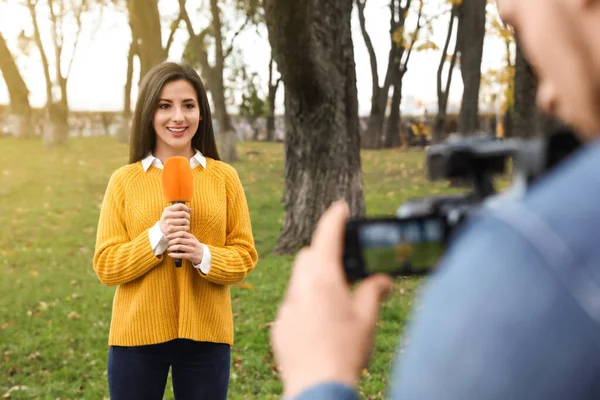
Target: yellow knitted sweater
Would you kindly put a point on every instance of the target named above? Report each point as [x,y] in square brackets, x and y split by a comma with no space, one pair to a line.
[154,301]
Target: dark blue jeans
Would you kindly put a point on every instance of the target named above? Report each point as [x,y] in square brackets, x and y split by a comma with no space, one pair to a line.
[200,370]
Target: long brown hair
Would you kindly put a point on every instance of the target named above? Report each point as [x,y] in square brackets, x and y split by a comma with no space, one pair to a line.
[143,135]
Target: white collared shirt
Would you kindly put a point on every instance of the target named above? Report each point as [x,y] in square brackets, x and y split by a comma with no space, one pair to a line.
[158,240]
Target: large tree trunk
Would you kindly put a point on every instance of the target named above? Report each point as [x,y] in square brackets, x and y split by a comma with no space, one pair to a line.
[312,45]
[471,32]
[17,92]
[144,21]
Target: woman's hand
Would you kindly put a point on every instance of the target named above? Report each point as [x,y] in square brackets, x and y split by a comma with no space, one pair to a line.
[187,247]
[175,218]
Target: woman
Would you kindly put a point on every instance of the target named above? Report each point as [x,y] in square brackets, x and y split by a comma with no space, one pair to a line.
[167,317]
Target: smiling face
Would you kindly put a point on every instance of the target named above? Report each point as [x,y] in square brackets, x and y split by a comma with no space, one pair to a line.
[559,39]
[176,120]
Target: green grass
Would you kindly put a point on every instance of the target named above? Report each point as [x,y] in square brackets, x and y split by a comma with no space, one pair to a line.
[55,314]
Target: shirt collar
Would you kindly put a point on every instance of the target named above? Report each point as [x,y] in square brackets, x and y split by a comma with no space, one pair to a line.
[197,159]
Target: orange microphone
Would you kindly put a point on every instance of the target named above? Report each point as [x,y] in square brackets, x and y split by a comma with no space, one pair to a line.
[177,183]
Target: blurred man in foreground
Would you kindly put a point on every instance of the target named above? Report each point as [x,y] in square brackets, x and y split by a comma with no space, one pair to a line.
[514,309]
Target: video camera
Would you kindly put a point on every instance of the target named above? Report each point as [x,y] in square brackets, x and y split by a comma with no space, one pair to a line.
[412,242]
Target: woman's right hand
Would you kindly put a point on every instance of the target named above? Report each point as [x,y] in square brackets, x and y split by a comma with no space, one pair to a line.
[175,218]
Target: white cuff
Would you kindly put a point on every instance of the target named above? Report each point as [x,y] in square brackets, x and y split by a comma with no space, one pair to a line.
[158,241]
[204,265]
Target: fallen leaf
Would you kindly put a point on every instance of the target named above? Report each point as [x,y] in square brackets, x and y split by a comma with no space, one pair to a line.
[34,272]
[5,325]
[73,315]
[245,285]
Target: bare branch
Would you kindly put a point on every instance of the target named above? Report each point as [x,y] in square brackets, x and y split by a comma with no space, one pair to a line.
[174,27]
[31,4]
[415,35]
[78,14]
[197,40]
[240,29]
[444,55]
[372,56]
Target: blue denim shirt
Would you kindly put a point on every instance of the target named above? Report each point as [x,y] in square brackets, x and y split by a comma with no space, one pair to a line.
[513,311]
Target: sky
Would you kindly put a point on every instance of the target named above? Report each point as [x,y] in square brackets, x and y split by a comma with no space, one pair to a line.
[99,67]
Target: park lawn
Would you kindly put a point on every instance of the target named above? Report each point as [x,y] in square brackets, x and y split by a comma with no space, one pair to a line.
[55,314]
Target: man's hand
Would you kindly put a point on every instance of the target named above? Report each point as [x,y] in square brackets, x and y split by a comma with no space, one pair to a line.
[175,218]
[323,331]
[188,246]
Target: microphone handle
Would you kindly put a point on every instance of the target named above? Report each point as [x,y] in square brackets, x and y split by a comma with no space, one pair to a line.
[178,260]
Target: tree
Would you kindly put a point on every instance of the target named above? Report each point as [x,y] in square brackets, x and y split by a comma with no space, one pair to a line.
[213,74]
[312,45]
[443,93]
[396,68]
[471,33]
[405,47]
[57,104]
[146,44]
[17,91]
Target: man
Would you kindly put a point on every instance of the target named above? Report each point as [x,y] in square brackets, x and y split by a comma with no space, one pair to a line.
[514,310]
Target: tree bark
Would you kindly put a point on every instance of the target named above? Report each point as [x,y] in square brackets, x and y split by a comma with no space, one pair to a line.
[17,92]
[443,93]
[312,45]
[471,32]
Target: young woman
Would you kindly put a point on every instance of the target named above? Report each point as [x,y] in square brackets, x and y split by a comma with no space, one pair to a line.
[166,317]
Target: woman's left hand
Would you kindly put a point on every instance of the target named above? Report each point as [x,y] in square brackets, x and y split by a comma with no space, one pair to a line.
[191,249]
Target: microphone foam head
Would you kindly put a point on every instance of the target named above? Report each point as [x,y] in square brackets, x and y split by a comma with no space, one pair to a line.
[177,181]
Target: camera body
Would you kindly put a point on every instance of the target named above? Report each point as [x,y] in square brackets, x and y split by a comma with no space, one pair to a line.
[412,242]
